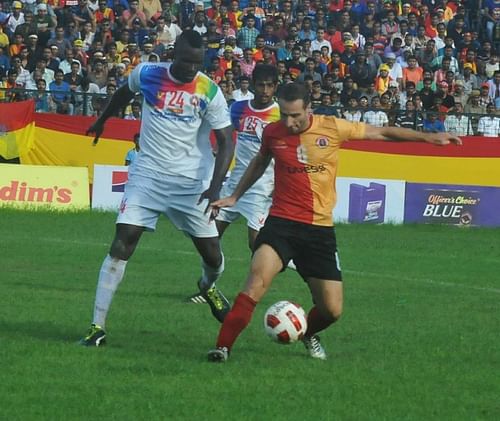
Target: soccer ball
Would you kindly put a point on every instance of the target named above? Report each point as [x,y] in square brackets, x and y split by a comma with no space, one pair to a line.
[285,322]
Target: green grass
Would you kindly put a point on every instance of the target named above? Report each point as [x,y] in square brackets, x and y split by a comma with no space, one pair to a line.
[419,338]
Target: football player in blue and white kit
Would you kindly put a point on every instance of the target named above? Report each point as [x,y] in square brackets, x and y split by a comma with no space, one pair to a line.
[174,174]
[249,117]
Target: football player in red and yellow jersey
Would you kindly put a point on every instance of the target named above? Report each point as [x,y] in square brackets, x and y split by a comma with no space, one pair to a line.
[300,225]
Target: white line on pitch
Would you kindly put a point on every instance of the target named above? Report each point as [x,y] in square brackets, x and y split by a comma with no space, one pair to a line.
[424,280]
[240,259]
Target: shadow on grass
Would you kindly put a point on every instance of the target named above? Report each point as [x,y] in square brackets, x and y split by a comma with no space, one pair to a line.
[44,331]
[180,297]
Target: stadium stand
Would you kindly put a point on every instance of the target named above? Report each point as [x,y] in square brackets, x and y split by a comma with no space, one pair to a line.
[424,64]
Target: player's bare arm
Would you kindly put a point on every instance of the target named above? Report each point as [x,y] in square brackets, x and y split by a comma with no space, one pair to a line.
[397,133]
[120,98]
[253,172]
[225,151]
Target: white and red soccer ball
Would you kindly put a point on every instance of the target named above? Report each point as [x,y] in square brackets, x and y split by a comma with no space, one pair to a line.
[285,322]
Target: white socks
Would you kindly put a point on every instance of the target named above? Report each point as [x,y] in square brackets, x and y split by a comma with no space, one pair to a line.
[210,275]
[110,276]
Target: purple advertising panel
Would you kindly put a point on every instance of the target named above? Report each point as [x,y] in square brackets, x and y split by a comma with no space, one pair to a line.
[452,204]
[367,204]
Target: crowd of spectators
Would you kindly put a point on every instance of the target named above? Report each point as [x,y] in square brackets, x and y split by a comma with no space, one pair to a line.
[427,64]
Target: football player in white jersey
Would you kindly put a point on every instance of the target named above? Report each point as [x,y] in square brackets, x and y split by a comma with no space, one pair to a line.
[249,117]
[174,174]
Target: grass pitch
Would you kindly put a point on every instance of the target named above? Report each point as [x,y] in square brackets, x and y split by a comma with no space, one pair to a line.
[419,338]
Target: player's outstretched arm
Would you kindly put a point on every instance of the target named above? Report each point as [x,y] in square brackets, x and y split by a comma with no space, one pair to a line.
[253,172]
[120,98]
[225,151]
[398,133]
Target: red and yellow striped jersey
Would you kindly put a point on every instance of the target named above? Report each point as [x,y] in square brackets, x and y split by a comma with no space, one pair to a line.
[306,167]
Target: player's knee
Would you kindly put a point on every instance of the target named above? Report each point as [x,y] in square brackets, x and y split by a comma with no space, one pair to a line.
[214,259]
[120,249]
[332,312]
[210,252]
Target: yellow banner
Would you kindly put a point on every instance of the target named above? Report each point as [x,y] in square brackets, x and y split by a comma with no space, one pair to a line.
[58,148]
[36,186]
[420,169]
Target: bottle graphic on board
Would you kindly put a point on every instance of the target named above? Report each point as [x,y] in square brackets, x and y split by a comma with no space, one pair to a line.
[367,204]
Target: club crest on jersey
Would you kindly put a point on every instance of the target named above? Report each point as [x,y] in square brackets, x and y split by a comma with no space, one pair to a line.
[322,142]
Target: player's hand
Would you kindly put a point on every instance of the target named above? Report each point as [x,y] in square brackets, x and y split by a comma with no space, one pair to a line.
[225,202]
[442,139]
[211,194]
[97,128]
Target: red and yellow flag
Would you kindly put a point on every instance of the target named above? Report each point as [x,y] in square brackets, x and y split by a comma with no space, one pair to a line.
[17,128]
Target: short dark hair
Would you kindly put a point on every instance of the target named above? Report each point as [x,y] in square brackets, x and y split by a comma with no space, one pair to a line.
[293,92]
[191,38]
[265,71]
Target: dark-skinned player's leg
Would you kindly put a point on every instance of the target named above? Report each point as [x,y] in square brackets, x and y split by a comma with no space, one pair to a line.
[111,274]
[198,297]
[212,263]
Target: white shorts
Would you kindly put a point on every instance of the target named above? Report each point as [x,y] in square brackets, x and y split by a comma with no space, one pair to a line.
[253,207]
[175,197]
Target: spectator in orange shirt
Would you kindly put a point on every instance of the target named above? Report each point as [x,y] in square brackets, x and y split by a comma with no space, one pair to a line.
[260,43]
[15,47]
[470,61]
[226,61]
[268,56]
[104,12]
[336,62]
[431,28]
[332,35]
[234,14]
[383,79]
[213,13]
[412,73]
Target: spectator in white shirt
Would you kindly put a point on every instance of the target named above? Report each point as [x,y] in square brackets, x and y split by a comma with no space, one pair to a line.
[376,117]
[494,86]
[320,41]
[23,75]
[359,39]
[352,114]
[16,18]
[395,69]
[199,22]
[243,93]
[47,74]
[457,123]
[489,126]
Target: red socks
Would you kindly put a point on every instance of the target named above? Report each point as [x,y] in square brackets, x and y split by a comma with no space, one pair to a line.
[316,322]
[236,320]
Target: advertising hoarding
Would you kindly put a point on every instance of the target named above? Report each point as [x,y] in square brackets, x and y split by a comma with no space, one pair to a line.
[38,186]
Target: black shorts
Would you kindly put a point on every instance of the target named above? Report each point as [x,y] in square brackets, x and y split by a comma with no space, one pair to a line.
[312,248]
